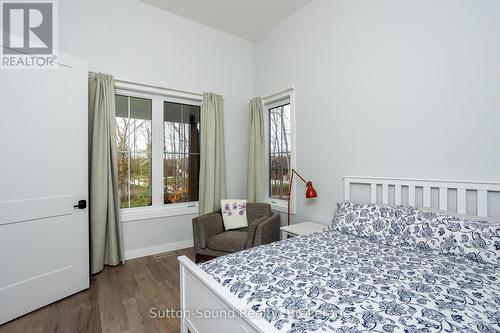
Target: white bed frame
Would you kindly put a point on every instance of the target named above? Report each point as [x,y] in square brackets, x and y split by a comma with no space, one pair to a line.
[200,293]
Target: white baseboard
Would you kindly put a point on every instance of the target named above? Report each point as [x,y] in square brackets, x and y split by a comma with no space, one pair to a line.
[161,248]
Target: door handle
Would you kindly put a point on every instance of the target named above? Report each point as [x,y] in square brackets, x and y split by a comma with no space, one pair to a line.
[82,204]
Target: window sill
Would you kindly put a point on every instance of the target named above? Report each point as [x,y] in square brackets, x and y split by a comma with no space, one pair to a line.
[280,206]
[154,212]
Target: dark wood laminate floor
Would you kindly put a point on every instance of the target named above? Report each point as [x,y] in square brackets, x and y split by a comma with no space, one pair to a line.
[119,300]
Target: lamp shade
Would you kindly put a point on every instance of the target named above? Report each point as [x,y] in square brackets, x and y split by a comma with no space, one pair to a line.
[310,191]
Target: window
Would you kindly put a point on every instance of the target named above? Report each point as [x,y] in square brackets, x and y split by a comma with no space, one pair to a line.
[158,146]
[280,133]
[133,145]
[279,151]
[181,152]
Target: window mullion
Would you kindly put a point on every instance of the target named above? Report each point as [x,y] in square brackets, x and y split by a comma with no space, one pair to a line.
[128,154]
[157,152]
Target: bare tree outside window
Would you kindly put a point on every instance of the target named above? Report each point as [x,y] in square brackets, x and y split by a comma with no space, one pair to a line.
[279,151]
[181,152]
[134,147]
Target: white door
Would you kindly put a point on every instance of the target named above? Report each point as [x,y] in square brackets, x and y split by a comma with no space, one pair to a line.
[43,174]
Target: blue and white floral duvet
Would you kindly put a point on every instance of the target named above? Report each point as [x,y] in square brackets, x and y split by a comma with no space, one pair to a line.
[336,282]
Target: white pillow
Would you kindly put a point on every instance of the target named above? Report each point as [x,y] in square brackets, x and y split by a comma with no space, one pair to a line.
[234,213]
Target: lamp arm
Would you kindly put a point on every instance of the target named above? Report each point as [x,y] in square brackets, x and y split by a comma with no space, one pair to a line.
[298,175]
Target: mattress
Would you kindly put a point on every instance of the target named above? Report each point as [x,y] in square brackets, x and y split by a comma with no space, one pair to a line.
[335,282]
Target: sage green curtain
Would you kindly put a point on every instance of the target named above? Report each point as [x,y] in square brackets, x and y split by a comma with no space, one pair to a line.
[212,156]
[257,153]
[106,240]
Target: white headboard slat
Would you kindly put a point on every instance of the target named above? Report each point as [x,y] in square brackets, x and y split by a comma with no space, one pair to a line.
[385,194]
[373,193]
[461,200]
[482,203]
[443,198]
[411,195]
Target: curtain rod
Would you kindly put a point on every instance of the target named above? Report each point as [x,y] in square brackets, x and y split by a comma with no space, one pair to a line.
[275,94]
[158,87]
[279,92]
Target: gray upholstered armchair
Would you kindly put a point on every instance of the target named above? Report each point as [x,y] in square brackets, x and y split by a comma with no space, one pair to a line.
[210,238]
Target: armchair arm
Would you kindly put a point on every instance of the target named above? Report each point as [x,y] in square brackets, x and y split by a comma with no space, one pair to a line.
[252,228]
[206,226]
[263,230]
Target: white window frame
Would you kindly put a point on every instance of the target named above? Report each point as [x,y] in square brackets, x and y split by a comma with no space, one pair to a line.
[269,102]
[158,96]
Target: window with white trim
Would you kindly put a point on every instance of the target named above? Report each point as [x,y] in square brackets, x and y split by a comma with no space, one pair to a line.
[280,146]
[158,147]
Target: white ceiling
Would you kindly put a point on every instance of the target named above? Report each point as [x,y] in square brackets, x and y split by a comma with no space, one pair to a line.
[248,19]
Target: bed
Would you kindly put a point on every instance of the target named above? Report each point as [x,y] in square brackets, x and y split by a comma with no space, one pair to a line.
[377,267]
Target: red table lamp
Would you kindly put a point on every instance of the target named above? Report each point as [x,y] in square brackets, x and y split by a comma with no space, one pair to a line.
[310,191]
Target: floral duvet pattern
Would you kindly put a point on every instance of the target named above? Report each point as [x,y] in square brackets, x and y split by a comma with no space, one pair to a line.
[336,282]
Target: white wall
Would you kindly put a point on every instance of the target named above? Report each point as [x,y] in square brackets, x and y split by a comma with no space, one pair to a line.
[137,42]
[388,88]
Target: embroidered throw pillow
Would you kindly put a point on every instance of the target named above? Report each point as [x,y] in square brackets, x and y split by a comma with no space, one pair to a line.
[234,214]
